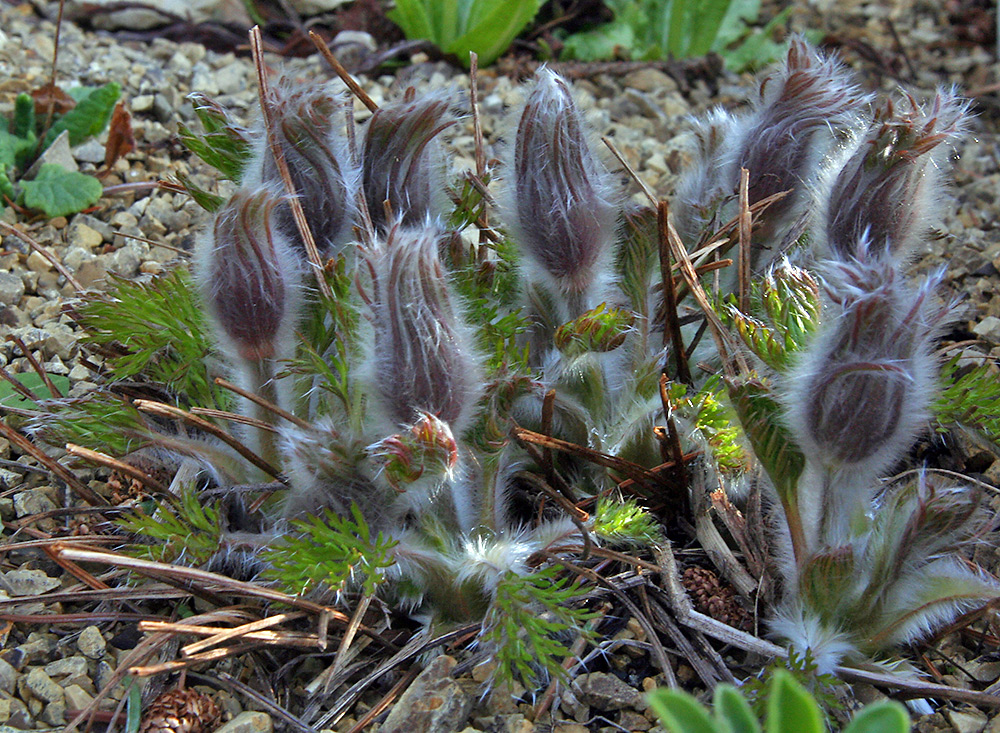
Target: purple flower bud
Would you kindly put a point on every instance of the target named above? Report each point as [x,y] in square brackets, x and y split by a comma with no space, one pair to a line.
[887,187]
[305,124]
[250,274]
[861,390]
[561,209]
[401,163]
[423,359]
[781,142]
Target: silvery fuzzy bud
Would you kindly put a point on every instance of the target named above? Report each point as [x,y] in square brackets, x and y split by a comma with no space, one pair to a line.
[887,188]
[401,161]
[781,142]
[861,390]
[423,360]
[560,206]
[251,275]
[305,124]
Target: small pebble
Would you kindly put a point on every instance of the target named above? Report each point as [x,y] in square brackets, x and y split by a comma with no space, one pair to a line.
[91,642]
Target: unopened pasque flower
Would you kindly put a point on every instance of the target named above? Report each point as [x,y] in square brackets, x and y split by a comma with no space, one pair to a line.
[305,123]
[886,189]
[423,360]
[251,274]
[560,205]
[401,163]
[800,109]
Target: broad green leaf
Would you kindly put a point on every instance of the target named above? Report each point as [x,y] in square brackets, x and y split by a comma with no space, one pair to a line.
[880,717]
[733,708]
[610,41]
[681,713]
[89,117]
[739,15]
[759,48]
[24,116]
[59,192]
[494,33]
[412,16]
[10,397]
[790,707]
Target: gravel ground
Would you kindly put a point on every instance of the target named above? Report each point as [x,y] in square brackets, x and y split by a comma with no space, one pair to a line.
[46,672]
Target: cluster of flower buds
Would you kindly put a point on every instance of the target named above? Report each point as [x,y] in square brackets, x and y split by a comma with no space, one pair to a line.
[251,276]
[400,160]
[561,205]
[886,188]
[781,142]
[304,126]
[423,360]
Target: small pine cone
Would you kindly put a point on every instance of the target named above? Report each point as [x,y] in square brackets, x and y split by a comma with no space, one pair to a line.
[181,711]
[715,599]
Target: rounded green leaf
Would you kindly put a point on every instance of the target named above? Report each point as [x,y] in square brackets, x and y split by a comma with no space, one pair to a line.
[59,192]
[880,717]
[681,713]
[790,707]
[731,707]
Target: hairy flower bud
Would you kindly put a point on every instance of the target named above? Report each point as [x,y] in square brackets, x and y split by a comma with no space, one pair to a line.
[401,163]
[862,389]
[886,188]
[426,451]
[781,142]
[423,359]
[305,124]
[251,275]
[560,206]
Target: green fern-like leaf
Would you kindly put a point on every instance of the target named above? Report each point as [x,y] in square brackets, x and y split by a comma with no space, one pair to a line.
[157,330]
[970,397]
[186,532]
[708,411]
[527,615]
[623,521]
[225,145]
[331,552]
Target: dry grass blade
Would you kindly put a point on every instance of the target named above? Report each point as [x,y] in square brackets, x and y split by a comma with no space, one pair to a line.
[164,410]
[352,629]
[227,634]
[266,703]
[691,277]
[39,369]
[659,652]
[102,459]
[5,227]
[26,446]
[672,326]
[260,401]
[397,689]
[218,634]
[633,470]
[344,74]
[215,414]
[647,192]
[312,251]
[744,233]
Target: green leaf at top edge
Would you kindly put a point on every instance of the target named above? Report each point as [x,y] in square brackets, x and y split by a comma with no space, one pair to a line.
[495,32]
[790,707]
[731,707]
[881,717]
[681,713]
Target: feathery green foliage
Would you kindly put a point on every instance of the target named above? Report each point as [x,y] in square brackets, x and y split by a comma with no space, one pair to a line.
[970,397]
[623,521]
[529,616]
[331,552]
[183,532]
[156,329]
[711,419]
